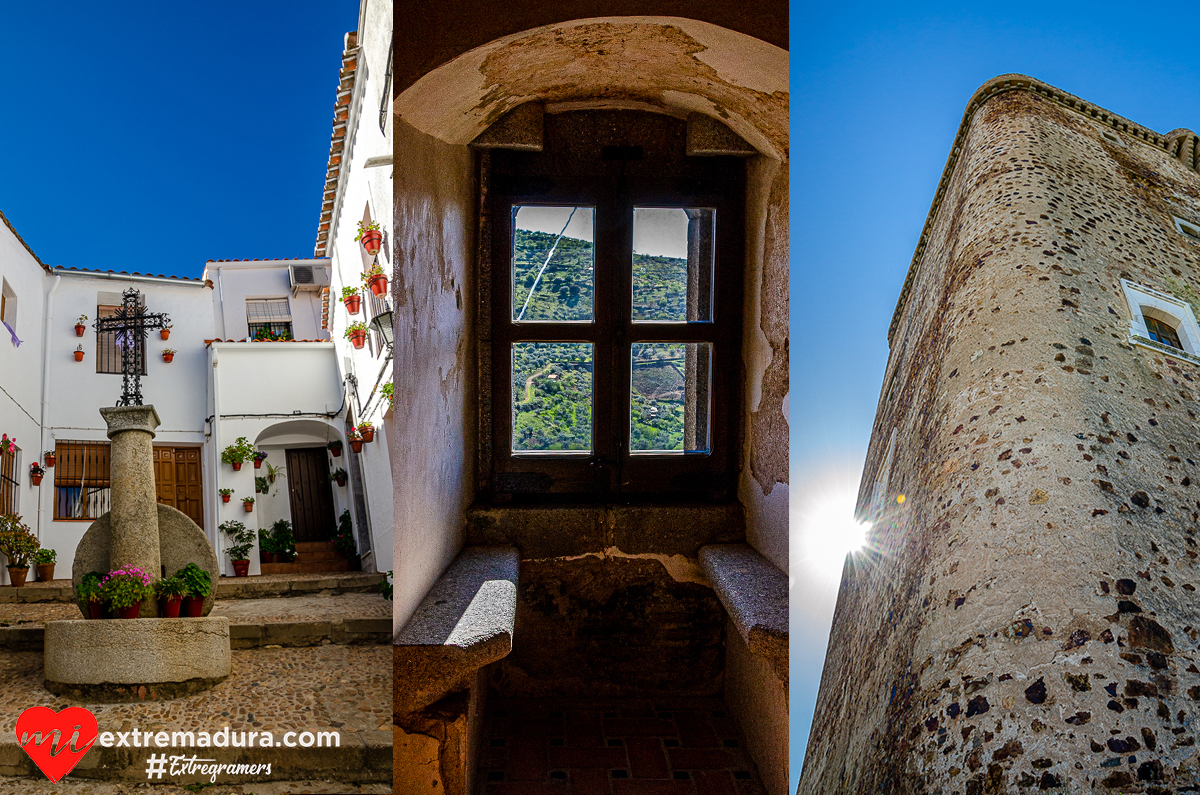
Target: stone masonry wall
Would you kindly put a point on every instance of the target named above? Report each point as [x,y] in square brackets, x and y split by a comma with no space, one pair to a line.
[1028,617]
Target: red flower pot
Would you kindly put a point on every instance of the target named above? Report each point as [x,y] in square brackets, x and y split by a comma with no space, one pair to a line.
[237,465]
[358,339]
[95,610]
[356,445]
[372,240]
[129,612]
[241,568]
[225,498]
[79,356]
[37,479]
[368,434]
[337,452]
[17,576]
[170,606]
[340,481]
[193,606]
[50,460]
[353,303]
[168,357]
[79,329]
[258,463]
[45,572]
[378,285]
[249,506]
[164,333]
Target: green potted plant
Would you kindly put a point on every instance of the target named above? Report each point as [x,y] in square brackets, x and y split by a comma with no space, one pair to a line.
[367,431]
[88,594]
[50,459]
[370,236]
[243,542]
[387,390]
[266,546]
[165,333]
[351,299]
[261,486]
[125,589]
[357,334]
[18,544]
[225,494]
[355,439]
[343,539]
[237,453]
[79,325]
[374,278]
[335,447]
[170,592]
[338,476]
[45,559]
[386,587]
[283,541]
[79,353]
[248,504]
[259,457]
[199,584]
[36,473]
[169,354]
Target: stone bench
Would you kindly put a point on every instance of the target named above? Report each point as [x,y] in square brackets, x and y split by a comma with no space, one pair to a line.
[754,592]
[464,623]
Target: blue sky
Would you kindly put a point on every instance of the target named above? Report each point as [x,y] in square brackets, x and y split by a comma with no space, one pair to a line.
[878,92]
[154,136]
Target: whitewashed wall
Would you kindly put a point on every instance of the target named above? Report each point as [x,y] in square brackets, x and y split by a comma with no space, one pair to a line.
[236,281]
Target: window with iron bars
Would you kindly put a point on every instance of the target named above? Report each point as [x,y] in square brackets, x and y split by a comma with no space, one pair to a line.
[375,306]
[9,485]
[82,489]
[111,344]
[269,318]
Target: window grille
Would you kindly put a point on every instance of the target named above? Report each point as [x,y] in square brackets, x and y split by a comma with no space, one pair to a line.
[109,345]
[375,306]
[274,315]
[81,480]
[9,484]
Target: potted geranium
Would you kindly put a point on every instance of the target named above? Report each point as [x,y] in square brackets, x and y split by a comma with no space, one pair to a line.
[79,353]
[36,473]
[374,278]
[225,494]
[259,457]
[79,325]
[367,431]
[88,593]
[355,440]
[237,453]
[170,591]
[266,546]
[243,542]
[387,390]
[50,458]
[169,354]
[357,334]
[45,559]
[338,476]
[125,589]
[283,541]
[248,504]
[199,584]
[335,447]
[165,332]
[8,445]
[261,486]
[18,544]
[370,236]
[351,299]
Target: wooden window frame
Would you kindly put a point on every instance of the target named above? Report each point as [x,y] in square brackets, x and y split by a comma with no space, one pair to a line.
[10,481]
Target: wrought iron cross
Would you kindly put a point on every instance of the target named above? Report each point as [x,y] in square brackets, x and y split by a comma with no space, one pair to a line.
[129,323]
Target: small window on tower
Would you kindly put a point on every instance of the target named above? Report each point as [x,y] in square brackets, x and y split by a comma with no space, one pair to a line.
[1188,229]
[1162,322]
[8,306]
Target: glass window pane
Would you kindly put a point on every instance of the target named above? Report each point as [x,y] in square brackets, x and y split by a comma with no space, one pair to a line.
[670,397]
[551,396]
[553,264]
[672,264]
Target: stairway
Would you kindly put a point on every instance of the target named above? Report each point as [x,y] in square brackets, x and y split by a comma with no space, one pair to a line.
[312,557]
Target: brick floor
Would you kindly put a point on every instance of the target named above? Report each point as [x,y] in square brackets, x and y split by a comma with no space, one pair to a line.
[576,746]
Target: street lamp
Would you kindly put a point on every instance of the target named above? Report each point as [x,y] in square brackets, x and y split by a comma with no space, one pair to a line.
[382,324]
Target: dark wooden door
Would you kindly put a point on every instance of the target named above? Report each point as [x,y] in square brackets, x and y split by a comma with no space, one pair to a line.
[310,494]
[177,480]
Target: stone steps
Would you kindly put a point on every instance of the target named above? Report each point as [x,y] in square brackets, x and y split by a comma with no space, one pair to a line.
[281,584]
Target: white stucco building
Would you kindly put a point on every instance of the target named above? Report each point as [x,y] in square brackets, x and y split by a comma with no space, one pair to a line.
[288,398]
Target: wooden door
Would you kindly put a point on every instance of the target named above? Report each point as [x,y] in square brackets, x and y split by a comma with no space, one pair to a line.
[177,480]
[309,493]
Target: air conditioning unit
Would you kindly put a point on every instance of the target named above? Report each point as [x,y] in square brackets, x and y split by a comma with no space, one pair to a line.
[308,277]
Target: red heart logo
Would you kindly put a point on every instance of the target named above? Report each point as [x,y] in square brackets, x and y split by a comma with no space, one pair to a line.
[37,726]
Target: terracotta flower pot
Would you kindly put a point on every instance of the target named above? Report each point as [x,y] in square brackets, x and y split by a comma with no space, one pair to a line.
[353,303]
[249,506]
[356,445]
[95,610]
[50,460]
[79,329]
[258,463]
[337,452]
[224,498]
[79,356]
[168,357]
[236,465]
[372,240]
[17,576]
[378,285]
[164,333]
[241,568]
[129,612]
[264,557]
[45,572]
[368,434]
[358,339]
[37,479]
[170,606]
[193,606]
[340,481]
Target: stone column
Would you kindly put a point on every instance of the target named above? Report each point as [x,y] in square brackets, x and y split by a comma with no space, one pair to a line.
[134,515]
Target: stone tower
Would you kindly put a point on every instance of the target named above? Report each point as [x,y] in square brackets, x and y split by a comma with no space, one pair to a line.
[1027,618]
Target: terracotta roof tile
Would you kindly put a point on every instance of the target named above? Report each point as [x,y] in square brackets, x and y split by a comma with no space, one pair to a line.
[267,259]
[132,273]
[247,340]
[341,111]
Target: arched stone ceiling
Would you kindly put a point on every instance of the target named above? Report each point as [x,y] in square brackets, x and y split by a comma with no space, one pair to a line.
[672,64]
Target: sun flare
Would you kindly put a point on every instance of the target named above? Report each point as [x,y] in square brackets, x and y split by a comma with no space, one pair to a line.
[828,531]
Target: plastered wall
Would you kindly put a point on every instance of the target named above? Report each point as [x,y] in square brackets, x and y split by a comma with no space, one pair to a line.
[1028,620]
